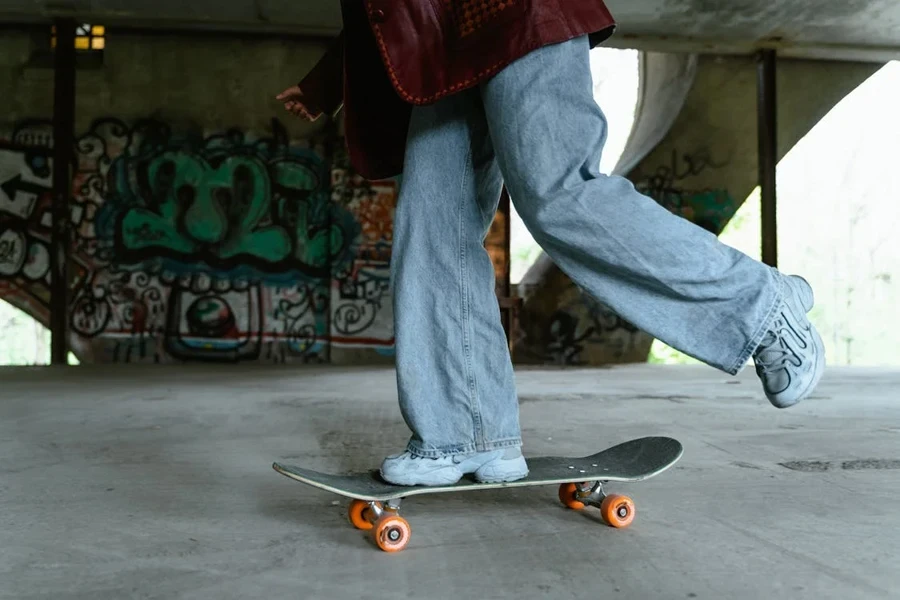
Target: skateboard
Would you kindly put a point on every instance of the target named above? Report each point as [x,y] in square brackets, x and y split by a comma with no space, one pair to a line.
[375,504]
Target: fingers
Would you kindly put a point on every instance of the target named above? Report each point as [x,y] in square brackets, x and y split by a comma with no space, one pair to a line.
[293,104]
[293,91]
[295,108]
[299,110]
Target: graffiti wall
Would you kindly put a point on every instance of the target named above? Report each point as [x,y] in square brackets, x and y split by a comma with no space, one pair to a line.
[708,207]
[563,325]
[193,245]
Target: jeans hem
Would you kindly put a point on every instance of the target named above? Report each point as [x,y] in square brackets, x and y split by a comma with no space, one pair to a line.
[757,337]
[416,448]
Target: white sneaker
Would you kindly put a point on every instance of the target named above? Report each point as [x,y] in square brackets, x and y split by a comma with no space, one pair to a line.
[494,466]
[791,358]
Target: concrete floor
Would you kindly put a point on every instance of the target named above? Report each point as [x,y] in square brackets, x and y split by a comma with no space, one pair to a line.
[156,483]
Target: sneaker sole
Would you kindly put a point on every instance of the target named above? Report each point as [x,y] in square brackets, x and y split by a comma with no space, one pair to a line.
[433,480]
[819,345]
[493,474]
[505,479]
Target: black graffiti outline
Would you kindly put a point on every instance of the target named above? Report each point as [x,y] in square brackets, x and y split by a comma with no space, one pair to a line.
[108,137]
[662,183]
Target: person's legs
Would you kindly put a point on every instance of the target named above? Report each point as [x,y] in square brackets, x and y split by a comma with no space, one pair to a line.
[454,373]
[660,272]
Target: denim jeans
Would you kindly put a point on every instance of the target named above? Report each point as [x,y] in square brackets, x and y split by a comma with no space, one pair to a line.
[537,127]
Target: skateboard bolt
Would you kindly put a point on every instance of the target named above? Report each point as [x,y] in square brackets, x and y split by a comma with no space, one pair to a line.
[623,511]
[394,535]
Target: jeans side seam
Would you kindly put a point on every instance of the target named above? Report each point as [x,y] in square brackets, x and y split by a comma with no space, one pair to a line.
[465,319]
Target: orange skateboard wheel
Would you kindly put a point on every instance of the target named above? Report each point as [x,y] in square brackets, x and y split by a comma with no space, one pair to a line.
[392,533]
[617,510]
[567,496]
[361,516]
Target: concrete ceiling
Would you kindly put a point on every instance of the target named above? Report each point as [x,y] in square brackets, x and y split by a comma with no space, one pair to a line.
[845,29]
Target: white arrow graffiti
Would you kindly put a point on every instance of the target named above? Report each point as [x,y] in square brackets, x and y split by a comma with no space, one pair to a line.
[18,197]
[19,187]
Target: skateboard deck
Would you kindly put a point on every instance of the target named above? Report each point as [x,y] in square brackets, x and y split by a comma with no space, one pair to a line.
[630,461]
[376,503]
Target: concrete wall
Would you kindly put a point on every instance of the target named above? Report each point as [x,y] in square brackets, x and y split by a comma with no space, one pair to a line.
[207,224]
[703,170]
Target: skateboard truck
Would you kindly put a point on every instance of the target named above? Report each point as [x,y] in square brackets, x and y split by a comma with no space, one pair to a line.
[617,510]
[390,530]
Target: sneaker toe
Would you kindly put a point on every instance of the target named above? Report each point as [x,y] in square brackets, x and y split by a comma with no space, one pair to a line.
[403,469]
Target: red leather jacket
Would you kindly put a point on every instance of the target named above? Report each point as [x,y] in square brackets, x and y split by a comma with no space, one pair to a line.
[394,54]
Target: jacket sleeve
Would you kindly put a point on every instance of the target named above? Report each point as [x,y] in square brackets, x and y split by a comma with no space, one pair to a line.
[323,87]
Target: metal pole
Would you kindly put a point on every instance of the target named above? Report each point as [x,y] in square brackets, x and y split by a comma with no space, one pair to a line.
[63,143]
[768,153]
[332,143]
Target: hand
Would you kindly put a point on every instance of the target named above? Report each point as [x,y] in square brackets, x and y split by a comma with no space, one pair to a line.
[293,103]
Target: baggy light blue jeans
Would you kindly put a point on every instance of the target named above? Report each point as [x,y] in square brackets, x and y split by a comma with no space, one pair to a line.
[537,127]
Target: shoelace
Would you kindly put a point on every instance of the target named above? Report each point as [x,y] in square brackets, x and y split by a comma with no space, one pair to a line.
[417,457]
[771,357]
[455,459]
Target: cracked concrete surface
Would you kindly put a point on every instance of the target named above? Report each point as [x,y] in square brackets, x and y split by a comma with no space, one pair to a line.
[156,483]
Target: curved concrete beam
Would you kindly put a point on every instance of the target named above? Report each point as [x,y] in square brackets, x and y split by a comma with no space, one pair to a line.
[665,81]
